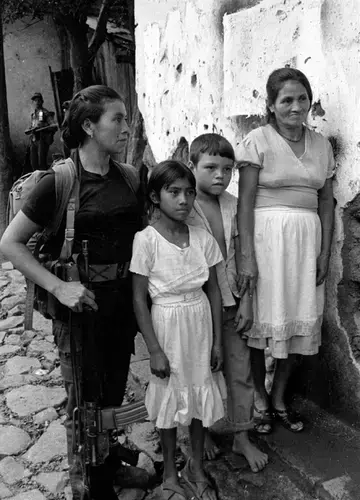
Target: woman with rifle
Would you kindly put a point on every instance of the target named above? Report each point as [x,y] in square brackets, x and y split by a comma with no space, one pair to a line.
[108,216]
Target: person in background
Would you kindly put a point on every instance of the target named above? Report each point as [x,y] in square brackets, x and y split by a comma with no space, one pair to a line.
[66,151]
[285,222]
[41,131]
[212,162]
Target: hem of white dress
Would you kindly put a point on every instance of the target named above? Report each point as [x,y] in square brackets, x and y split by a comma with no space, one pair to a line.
[306,346]
[170,407]
[286,331]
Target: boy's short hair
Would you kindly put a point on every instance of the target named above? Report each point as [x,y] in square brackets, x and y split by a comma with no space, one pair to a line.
[212,144]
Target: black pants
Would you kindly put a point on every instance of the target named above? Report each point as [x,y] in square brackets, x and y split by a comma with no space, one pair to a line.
[38,154]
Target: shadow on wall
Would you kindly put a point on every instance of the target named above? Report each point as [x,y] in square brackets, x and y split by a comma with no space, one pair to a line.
[181,152]
[231,7]
[245,124]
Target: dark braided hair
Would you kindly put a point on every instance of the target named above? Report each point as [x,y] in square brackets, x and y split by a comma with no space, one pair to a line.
[86,104]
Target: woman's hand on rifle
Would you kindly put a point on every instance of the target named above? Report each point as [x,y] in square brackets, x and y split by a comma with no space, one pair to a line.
[75,296]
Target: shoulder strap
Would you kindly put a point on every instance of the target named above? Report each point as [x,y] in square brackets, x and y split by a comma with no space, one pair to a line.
[68,197]
[72,207]
[67,187]
[131,176]
[65,179]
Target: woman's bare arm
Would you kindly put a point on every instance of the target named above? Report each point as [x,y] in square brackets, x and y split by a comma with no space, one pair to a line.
[246,261]
[326,214]
[13,246]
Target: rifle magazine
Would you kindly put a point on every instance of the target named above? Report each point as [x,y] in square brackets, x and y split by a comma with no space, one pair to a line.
[119,417]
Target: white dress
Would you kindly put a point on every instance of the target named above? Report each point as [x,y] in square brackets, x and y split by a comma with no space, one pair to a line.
[182,321]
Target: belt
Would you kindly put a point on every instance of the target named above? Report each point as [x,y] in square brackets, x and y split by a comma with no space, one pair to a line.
[173,299]
[108,272]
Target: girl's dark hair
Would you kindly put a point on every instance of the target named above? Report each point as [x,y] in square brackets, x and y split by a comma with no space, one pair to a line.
[88,103]
[164,174]
[275,83]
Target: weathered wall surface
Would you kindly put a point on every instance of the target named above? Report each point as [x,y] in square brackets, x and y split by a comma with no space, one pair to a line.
[202,66]
[30,47]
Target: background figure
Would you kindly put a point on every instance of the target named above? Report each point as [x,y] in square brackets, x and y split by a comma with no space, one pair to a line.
[41,131]
[66,151]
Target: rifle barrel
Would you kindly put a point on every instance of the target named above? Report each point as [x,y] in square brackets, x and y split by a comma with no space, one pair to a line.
[85,252]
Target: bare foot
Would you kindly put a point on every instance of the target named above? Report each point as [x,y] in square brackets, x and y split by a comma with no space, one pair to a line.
[211,451]
[255,457]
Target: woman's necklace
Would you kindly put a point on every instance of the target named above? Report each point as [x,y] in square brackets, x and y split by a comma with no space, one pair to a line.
[292,140]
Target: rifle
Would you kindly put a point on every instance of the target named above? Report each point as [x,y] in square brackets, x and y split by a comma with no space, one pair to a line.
[92,424]
[46,128]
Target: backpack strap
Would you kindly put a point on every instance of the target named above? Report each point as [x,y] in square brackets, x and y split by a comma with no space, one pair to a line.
[66,178]
[67,187]
[72,208]
[131,176]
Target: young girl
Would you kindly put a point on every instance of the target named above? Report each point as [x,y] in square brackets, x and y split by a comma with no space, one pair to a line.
[172,262]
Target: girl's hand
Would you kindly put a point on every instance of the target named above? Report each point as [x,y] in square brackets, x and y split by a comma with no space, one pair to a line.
[245,315]
[216,357]
[74,295]
[159,364]
[322,267]
[247,276]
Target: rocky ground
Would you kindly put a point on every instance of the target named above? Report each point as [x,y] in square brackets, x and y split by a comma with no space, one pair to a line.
[33,463]
[321,463]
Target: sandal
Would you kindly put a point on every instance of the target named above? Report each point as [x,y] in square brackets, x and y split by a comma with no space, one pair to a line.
[197,487]
[289,419]
[170,490]
[263,417]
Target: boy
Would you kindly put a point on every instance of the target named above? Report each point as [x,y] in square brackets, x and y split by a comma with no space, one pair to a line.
[212,161]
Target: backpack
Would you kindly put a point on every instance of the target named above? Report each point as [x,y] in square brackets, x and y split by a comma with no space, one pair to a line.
[67,170]
[67,188]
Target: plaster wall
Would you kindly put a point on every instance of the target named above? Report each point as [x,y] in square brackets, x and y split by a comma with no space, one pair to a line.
[202,66]
[30,47]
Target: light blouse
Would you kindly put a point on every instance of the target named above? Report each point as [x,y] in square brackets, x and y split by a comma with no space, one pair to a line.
[284,178]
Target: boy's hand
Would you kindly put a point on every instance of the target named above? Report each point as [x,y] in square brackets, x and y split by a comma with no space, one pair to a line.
[245,315]
[159,364]
[216,357]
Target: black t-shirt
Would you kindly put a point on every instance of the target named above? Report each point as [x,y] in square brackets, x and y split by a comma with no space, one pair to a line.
[109,214]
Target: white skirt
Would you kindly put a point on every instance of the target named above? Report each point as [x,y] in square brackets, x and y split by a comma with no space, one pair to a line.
[288,306]
[184,332]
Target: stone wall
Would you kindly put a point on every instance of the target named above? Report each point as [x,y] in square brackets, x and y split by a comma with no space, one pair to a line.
[30,47]
[202,66]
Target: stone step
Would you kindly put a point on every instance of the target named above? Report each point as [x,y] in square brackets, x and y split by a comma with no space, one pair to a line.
[233,479]
[321,463]
[326,454]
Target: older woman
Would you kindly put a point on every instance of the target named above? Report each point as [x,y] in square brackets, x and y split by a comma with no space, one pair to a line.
[108,217]
[285,220]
